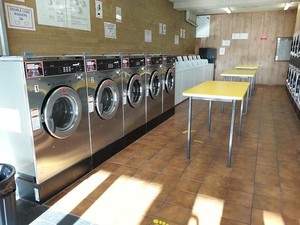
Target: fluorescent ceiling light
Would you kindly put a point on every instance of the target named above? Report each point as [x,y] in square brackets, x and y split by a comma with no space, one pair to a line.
[286,6]
[227,9]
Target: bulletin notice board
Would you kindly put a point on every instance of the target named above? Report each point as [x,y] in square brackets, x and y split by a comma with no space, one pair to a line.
[283,48]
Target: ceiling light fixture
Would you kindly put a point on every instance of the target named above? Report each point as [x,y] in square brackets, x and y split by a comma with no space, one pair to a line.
[286,6]
[227,9]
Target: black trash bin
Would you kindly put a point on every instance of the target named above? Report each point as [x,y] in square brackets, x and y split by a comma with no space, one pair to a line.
[8,214]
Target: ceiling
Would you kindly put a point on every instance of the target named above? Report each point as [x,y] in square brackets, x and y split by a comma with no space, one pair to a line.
[207,7]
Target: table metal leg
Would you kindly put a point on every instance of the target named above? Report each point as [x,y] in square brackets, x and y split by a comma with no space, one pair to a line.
[247,101]
[231,134]
[209,115]
[250,91]
[188,153]
[241,117]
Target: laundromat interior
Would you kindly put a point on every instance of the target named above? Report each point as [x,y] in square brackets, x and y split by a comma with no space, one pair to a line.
[145,112]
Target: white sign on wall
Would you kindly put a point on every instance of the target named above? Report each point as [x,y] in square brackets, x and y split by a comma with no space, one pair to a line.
[98,7]
[110,30]
[64,13]
[148,36]
[19,17]
[203,26]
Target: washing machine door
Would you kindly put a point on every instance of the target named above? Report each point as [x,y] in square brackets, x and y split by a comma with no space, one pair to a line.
[62,112]
[135,91]
[154,85]
[107,99]
[169,81]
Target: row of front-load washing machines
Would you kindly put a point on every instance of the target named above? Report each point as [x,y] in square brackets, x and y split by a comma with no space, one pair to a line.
[63,116]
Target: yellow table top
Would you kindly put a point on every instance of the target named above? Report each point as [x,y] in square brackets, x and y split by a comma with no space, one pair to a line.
[247,66]
[239,73]
[219,90]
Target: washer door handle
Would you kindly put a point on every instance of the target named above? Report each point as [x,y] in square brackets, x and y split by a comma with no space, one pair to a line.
[51,124]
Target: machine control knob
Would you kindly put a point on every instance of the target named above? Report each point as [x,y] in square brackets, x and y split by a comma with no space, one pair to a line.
[79,76]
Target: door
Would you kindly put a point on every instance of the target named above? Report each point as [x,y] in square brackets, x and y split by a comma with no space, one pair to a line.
[169,81]
[62,112]
[154,85]
[135,91]
[107,99]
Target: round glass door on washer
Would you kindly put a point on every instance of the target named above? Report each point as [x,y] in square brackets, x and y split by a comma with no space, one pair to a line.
[168,75]
[62,112]
[133,71]
[153,85]
[104,86]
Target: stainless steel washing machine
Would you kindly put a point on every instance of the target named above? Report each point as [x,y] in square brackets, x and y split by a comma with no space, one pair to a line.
[44,101]
[153,84]
[133,73]
[168,80]
[104,88]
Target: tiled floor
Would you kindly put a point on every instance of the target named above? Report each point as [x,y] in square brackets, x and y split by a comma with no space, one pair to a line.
[151,182]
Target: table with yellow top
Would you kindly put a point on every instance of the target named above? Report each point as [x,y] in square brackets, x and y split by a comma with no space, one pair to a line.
[218,91]
[241,74]
[247,67]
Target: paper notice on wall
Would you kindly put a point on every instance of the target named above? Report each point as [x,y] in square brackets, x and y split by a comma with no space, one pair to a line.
[99,10]
[110,30]
[203,26]
[118,14]
[222,51]
[164,29]
[160,28]
[225,43]
[78,14]
[176,39]
[148,36]
[235,36]
[244,36]
[64,13]
[19,17]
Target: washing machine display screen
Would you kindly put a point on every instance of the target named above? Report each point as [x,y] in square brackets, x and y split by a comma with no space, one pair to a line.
[62,113]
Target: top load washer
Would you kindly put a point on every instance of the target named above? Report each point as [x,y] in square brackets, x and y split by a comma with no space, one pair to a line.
[168,80]
[133,71]
[104,87]
[47,101]
[153,81]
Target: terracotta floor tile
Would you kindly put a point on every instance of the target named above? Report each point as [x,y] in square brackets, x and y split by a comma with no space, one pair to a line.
[291,210]
[237,213]
[241,185]
[125,170]
[267,191]
[239,198]
[188,185]
[213,190]
[171,213]
[267,203]
[267,179]
[266,170]
[230,222]
[181,198]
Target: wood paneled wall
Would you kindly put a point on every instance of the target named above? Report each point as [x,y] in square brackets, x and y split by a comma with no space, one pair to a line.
[272,24]
[137,15]
[297,25]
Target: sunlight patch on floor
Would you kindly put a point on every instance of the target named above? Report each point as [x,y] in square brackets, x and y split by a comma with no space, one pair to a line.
[125,202]
[206,211]
[271,218]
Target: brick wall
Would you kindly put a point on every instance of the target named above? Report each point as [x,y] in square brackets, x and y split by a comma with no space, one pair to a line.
[137,15]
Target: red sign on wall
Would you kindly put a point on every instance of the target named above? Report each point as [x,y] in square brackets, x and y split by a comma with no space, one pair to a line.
[263,38]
